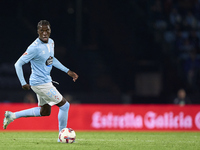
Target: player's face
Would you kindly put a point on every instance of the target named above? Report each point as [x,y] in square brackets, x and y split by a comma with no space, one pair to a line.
[44,32]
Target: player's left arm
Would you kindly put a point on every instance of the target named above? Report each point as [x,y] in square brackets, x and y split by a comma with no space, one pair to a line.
[59,65]
[73,75]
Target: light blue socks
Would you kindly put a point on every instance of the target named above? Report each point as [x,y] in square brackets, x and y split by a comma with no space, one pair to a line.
[32,112]
[63,116]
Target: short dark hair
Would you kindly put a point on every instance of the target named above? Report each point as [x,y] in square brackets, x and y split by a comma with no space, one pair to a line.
[43,22]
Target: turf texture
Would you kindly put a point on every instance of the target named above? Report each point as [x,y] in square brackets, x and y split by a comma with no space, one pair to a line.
[101,141]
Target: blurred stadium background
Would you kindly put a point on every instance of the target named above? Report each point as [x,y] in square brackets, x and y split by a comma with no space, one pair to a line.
[125,51]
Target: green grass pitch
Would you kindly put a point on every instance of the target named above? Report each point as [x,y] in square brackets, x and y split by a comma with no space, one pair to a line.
[101,141]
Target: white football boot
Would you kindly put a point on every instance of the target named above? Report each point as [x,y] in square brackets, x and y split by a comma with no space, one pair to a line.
[8,119]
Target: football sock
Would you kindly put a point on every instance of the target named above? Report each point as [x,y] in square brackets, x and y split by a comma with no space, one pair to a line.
[63,116]
[32,112]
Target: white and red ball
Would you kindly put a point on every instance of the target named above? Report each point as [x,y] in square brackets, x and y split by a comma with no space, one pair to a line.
[67,135]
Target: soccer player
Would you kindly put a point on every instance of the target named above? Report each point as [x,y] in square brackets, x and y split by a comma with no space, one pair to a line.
[40,54]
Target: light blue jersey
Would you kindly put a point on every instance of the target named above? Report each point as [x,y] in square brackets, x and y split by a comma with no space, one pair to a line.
[41,57]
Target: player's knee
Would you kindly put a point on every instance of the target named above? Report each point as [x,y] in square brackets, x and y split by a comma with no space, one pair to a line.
[45,110]
[65,106]
[45,113]
[64,103]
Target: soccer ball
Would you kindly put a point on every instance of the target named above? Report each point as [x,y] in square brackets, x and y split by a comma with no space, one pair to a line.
[67,135]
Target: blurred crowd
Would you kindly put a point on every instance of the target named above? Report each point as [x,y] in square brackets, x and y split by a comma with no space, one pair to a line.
[176,24]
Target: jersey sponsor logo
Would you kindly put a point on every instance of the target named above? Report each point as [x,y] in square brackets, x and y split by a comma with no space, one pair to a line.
[25,54]
[49,61]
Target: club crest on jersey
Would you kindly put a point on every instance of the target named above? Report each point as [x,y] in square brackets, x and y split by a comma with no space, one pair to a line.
[49,61]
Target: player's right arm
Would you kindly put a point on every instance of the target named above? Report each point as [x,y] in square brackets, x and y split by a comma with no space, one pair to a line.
[19,71]
[25,58]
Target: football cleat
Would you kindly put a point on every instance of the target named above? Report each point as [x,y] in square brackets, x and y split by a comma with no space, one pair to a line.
[8,119]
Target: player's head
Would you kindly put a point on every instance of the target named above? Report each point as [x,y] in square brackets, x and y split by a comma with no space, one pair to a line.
[44,30]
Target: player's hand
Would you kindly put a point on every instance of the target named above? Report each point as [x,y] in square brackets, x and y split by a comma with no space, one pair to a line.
[26,87]
[73,75]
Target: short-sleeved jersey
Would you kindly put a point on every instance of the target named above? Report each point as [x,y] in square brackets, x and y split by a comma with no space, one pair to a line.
[40,55]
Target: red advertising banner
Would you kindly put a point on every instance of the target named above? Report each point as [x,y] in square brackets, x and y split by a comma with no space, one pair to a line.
[112,117]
